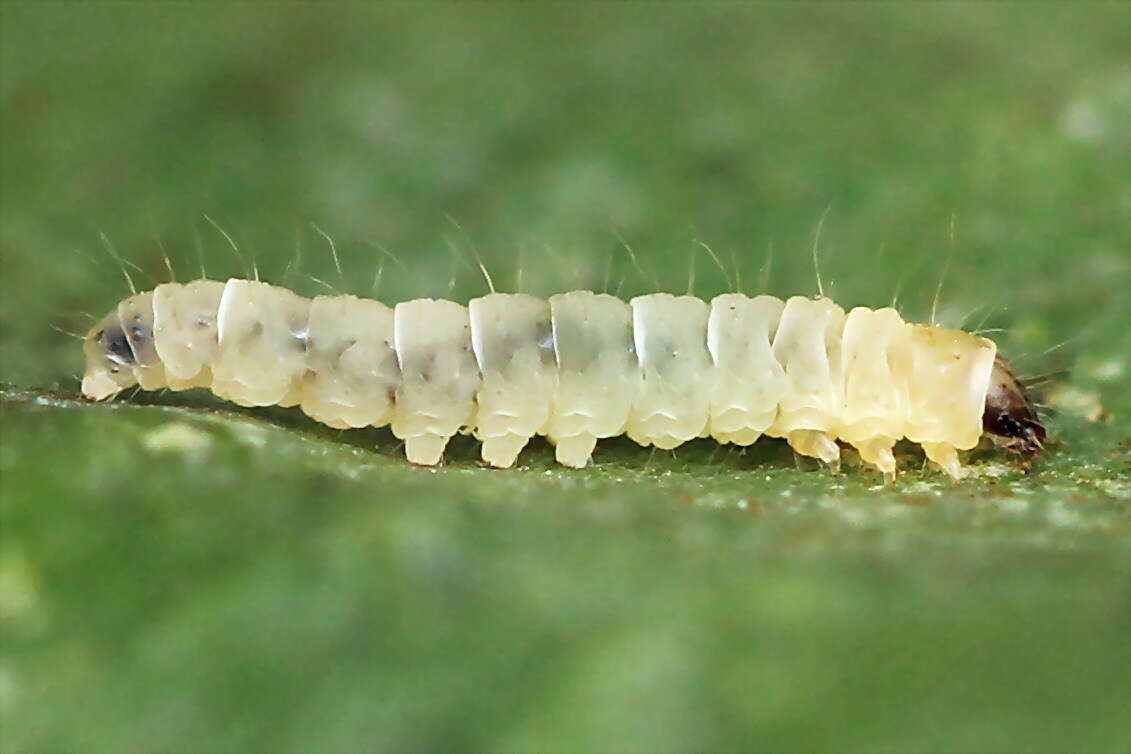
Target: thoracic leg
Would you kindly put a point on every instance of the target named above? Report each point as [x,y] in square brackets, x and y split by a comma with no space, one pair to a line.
[946,457]
[877,452]
[815,444]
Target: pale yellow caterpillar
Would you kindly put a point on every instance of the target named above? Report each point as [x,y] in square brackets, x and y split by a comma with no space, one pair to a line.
[579,367]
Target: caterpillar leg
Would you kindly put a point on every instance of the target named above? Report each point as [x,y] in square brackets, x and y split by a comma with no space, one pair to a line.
[502,451]
[425,450]
[878,452]
[946,457]
[574,451]
[815,444]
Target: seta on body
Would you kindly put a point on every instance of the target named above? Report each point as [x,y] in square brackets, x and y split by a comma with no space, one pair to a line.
[576,368]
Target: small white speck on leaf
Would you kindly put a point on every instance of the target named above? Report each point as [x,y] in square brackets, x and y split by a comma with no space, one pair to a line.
[177,438]
[249,434]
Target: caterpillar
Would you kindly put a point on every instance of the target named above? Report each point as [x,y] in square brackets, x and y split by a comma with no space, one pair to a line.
[581,366]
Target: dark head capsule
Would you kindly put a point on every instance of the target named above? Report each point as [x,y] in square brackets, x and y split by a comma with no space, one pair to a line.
[1010,418]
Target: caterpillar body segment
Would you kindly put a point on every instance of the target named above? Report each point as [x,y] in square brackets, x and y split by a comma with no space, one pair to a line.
[578,367]
[512,339]
[749,383]
[185,332]
[672,403]
[352,371]
[136,316]
[262,335]
[950,372]
[875,351]
[439,376]
[807,345]
[598,374]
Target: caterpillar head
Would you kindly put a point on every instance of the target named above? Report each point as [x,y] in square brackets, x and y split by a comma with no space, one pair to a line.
[109,360]
[1010,418]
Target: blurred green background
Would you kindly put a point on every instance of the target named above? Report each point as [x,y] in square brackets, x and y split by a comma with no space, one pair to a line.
[181,575]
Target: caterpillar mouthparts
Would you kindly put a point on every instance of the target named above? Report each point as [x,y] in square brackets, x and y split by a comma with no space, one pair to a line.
[578,367]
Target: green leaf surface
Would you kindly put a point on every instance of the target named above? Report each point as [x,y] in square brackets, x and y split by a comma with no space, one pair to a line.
[180,574]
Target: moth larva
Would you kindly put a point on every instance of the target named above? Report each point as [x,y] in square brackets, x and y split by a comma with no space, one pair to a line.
[581,366]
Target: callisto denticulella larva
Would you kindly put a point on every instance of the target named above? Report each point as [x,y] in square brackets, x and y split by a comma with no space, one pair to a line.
[578,367]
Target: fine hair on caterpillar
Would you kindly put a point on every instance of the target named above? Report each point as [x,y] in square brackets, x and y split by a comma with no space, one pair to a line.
[660,368]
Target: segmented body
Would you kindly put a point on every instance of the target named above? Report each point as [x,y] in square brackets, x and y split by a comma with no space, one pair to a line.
[578,367]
